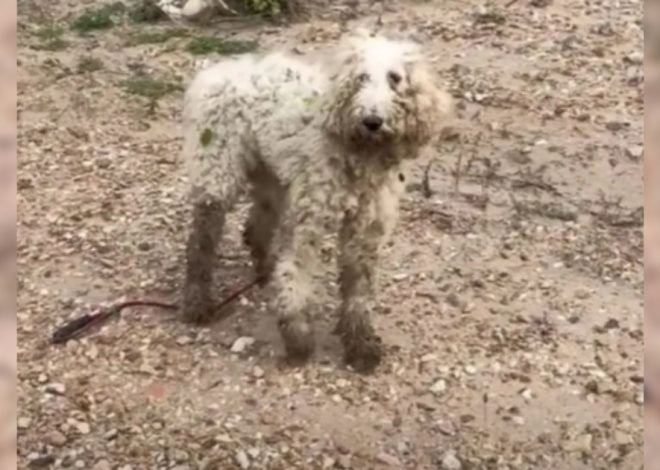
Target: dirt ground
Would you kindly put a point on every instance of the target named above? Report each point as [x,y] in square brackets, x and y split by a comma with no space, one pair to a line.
[512,301]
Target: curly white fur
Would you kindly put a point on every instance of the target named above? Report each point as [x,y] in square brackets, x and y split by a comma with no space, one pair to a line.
[320,146]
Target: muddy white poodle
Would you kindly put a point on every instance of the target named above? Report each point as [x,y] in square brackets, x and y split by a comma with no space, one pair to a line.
[319,148]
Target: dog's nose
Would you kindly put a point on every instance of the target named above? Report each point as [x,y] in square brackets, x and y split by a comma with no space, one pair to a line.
[373,123]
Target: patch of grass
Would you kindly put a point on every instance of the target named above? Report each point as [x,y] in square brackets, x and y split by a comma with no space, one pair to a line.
[88,64]
[203,45]
[155,37]
[50,37]
[150,87]
[94,19]
[265,7]
[146,11]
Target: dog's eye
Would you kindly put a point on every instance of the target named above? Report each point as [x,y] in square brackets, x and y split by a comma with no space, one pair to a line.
[394,77]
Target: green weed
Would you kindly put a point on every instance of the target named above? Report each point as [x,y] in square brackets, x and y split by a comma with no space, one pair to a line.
[203,45]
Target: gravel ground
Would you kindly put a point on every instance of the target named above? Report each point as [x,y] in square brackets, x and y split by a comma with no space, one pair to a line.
[512,297]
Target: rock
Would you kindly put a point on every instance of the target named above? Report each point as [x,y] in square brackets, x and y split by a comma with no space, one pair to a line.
[56,388]
[257,372]
[82,427]
[24,423]
[428,357]
[470,370]
[242,344]
[223,438]
[344,461]
[438,387]
[102,465]
[635,58]
[388,459]
[56,438]
[635,152]
[519,420]
[579,444]
[194,9]
[451,462]
[242,459]
[183,340]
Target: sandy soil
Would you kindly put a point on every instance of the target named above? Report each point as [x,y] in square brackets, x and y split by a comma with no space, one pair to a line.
[512,299]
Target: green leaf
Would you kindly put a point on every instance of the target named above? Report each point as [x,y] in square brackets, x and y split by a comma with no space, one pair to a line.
[206,137]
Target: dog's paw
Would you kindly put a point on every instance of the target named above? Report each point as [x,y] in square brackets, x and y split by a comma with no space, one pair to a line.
[364,354]
[298,337]
[196,306]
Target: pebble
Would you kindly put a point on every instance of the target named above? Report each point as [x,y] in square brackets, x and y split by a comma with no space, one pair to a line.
[241,344]
[102,465]
[635,152]
[438,387]
[242,459]
[519,420]
[328,462]
[428,357]
[636,58]
[451,462]
[470,370]
[82,427]
[24,423]
[257,372]
[56,388]
[56,438]
[388,459]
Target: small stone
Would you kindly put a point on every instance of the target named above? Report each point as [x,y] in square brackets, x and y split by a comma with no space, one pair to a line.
[257,372]
[579,444]
[180,456]
[636,152]
[527,394]
[388,459]
[56,388]
[470,370]
[622,438]
[438,387]
[183,340]
[451,462]
[56,438]
[242,459]
[328,462]
[428,357]
[82,427]
[102,465]
[241,344]
[636,58]
[453,300]
[519,420]
[400,277]
[24,423]
[223,438]
[344,461]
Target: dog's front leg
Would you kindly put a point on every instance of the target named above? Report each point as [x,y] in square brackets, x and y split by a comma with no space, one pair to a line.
[297,276]
[360,238]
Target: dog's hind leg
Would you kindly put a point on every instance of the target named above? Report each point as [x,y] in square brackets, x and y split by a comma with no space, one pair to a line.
[217,179]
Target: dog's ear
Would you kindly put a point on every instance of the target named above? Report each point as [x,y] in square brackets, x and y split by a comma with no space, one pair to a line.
[433,105]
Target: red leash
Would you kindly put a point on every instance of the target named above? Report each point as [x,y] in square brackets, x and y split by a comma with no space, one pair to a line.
[77,327]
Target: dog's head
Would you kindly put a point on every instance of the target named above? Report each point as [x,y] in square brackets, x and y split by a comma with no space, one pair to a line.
[384,93]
